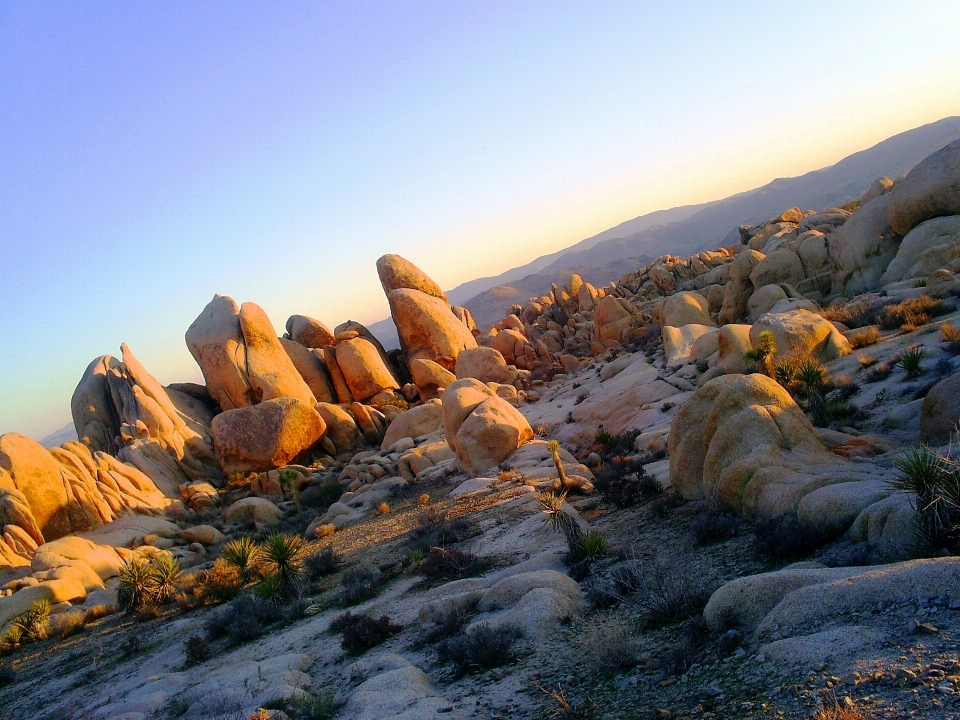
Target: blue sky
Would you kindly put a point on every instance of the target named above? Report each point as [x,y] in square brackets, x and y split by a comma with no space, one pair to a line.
[153,154]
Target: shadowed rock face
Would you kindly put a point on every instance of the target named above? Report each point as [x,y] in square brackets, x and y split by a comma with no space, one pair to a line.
[931,189]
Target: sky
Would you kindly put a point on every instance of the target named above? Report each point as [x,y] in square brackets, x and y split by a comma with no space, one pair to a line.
[153,154]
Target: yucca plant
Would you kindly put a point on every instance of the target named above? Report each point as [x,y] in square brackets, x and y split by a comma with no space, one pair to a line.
[552,506]
[283,556]
[784,372]
[763,353]
[245,555]
[12,638]
[34,624]
[912,362]
[137,582]
[810,378]
[290,482]
[554,447]
[935,480]
[166,572]
[593,544]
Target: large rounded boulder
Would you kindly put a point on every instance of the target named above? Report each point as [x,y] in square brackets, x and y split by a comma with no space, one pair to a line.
[931,189]
[482,428]
[265,436]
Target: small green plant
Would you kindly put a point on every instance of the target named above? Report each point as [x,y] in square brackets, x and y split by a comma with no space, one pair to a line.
[362,632]
[243,554]
[322,706]
[136,585]
[196,650]
[166,573]
[12,639]
[283,558]
[34,624]
[921,283]
[551,504]
[593,544]
[289,480]
[607,439]
[482,648]
[935,480]
[416,557]
[764,352]
[810,379]
[912,362]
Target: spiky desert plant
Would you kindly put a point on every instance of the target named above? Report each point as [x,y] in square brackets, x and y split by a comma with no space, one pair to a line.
[554,447]
[290,482]
[245,555]
[34,624]
[557,518]
[935,480]
[166,572]
[784,372]
[593,544]
[763,353]
[912,362]
[12,638]
[136,585]
[283,556]
[810,378]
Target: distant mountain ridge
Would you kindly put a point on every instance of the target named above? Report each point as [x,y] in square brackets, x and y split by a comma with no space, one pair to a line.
[689,229]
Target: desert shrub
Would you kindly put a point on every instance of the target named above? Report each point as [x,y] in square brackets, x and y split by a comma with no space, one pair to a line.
[663,505]
[452,564]
[593,544]
[166,573]
[762,355]
[358,584]
[949,333]
[136,585]
[434,529]
[912,362]
[856,314]
[363,631]
[322,706]
[787,538]
[864,337]
[196,650]
[688,649]
[244,554]
[68,623]
[8,675]
[567,709]
[880,371]
[944,367]
[323,495]
[616,444]
[866,360]
[551,504]
[805,380]
[34,624]
[289,480]
[96,612]
[623,481]
[322,563]
[243,619]
[912,313]
[935,480]
[841,413]
[608,646]
[283,560]
[663,595]
[449,622]
[713,527]
[835,711]
[482,648]
[221,582]
[131,646]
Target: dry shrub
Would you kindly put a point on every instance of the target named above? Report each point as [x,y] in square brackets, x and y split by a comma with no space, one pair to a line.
[362,632]
[863,337]
[482,648]
[96,612]
[866,360]
[383,508]
[608,646]
[325,530]
[911,314]
[949,333]
[849,710]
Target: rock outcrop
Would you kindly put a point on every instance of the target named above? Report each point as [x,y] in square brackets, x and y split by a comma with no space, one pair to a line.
[931,189]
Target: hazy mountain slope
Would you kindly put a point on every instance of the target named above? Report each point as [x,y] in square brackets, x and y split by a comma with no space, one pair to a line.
[688,229]
[555,261]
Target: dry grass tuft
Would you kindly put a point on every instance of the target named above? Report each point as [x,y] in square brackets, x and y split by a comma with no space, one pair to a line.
[325,530]
[849,710]
[864,336]
[866,360]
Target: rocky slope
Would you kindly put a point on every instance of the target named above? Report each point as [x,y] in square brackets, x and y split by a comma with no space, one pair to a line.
[770,388]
